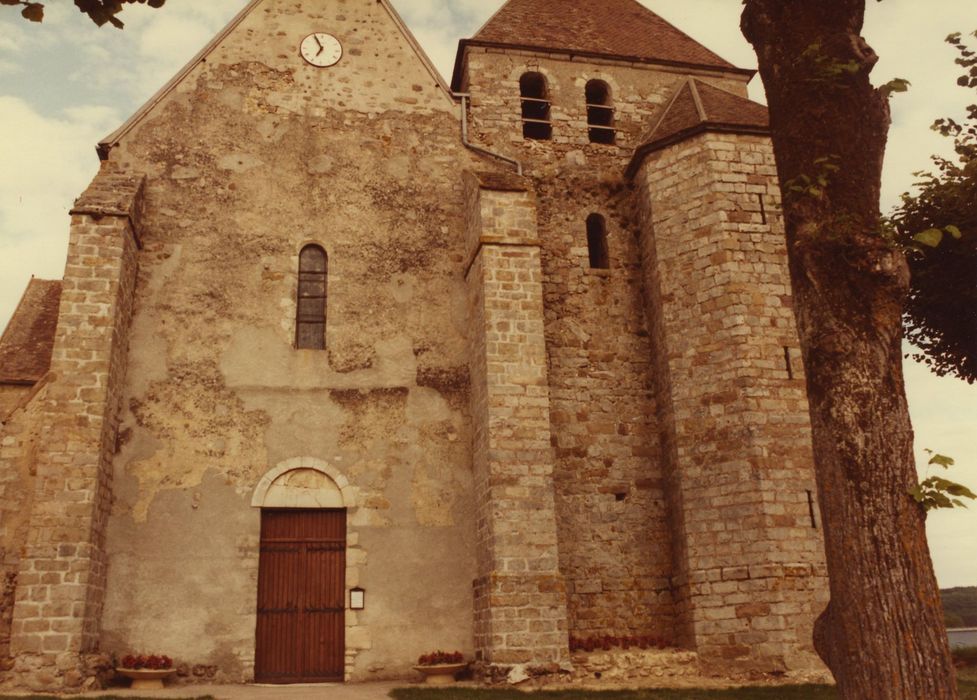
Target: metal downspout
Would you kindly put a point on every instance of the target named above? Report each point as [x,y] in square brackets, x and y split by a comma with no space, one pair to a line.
[478,149]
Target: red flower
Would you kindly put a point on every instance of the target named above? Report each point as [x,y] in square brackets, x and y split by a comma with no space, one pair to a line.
[151,661]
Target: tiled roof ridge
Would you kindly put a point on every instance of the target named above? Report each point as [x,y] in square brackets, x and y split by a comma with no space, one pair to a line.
[692,109]
[666,109]
[726,91]
[518,23]
[703,107]
[697,99]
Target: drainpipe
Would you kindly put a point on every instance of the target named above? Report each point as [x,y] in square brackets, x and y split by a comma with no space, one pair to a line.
[478,149]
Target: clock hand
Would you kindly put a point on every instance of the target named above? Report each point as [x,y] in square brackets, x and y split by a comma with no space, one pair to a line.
[318,42]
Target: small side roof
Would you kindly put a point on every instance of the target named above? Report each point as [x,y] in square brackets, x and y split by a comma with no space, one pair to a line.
[27,342]
[622,29]
[696,107]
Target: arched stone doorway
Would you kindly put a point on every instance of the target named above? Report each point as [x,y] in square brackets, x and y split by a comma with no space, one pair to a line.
[301,616]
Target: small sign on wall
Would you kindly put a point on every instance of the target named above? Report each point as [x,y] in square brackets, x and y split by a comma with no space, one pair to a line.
[357,599]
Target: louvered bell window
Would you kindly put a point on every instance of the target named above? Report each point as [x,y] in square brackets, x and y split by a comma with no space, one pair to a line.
[535,107]
[600,112]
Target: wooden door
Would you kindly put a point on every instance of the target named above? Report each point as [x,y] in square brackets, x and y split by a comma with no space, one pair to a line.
[301,597]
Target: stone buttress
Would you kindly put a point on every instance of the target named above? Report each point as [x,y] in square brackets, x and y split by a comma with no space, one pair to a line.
[749,573]
[520,595]
[61,581]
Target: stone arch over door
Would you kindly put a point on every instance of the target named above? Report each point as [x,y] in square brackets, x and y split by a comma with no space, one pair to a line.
[304,482]
[307,490]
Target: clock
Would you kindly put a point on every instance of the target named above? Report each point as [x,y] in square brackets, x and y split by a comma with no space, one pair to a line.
[321,49]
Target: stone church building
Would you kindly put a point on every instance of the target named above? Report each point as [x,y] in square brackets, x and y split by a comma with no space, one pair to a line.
[349,364]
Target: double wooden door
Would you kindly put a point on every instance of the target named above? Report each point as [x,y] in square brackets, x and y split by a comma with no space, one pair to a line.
[301,597]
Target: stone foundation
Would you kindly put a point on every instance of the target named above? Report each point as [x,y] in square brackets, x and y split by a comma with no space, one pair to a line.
[619,665]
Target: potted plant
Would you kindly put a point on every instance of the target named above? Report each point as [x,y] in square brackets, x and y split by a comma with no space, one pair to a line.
[439,667]
[146,671]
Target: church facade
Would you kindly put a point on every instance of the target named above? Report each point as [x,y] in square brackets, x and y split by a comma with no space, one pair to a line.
[348,364]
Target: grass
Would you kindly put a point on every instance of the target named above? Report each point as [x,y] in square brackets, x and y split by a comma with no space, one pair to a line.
[967,680]
[794,692]
[100,697]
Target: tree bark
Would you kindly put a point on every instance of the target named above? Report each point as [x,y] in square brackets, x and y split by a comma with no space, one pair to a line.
[882,635]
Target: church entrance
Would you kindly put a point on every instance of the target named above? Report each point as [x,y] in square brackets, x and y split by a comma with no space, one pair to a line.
[301,597]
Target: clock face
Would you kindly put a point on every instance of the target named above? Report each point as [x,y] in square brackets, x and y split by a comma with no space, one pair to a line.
[321,49]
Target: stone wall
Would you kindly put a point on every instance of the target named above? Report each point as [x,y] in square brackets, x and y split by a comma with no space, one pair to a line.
[615,542]
[520,595]
[11,395]
[252,156]
[62,573]
[18,445]
[750,568]
[638,91]
[634,667]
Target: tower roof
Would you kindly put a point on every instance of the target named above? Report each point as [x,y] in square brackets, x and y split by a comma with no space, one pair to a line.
[608,28]
[696,107]
[27,342]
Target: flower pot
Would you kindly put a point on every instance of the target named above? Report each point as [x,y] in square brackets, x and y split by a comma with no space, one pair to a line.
[440,674]
[146,678]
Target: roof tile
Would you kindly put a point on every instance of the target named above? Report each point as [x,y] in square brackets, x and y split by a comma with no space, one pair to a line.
[26,344]
[696,102]
[615,28]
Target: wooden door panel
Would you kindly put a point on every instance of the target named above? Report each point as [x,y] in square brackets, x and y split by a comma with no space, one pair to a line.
[325,607]
[279,590]
[301,626]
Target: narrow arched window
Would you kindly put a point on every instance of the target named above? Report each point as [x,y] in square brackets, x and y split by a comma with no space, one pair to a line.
[535,107]
[597,242]
[600,112]
[310,326]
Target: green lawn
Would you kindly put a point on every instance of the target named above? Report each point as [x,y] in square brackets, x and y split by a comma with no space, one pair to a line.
[100,697]
[967,678]
[968,683]
[796,692]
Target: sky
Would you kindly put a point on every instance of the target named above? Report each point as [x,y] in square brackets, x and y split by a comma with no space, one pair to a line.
[66,84]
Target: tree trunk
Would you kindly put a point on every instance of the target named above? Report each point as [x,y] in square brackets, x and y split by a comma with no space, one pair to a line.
[882,634]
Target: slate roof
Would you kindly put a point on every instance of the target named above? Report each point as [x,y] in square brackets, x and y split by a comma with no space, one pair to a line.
[622,29]
[698,106]
[26,344]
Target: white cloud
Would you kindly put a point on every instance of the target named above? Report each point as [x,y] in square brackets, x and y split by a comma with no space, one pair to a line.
[45,163]
[9,43]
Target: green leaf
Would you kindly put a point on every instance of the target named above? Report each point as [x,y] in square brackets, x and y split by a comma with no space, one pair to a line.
[931,237]
[953,231]
[942,460]
[893,86]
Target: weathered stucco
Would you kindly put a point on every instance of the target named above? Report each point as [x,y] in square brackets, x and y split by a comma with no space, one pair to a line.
[255,155]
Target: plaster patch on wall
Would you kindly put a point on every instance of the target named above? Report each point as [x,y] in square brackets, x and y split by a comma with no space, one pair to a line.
[431,496]
[179,439]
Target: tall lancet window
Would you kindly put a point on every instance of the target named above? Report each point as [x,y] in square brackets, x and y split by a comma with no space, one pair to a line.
[535,107]
[600,258]
[600,112]
[310,326]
